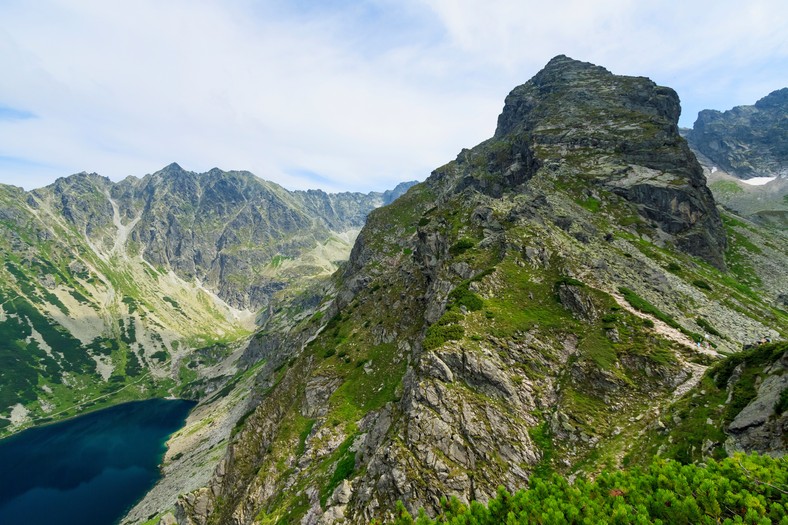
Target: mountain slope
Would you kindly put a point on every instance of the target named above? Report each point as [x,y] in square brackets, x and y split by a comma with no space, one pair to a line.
[116,291]
[518,312]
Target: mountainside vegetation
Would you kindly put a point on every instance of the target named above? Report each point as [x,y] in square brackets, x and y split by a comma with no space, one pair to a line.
[548,329]
[740,489]
[151,287]
[537,305]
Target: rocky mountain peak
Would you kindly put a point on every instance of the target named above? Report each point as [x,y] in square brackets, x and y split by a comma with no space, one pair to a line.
[746,141]
[592,132]
[172,168]
[568,92]
[775,100]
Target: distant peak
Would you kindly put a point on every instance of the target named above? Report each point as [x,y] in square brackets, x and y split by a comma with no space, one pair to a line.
[775,99]
[173,167]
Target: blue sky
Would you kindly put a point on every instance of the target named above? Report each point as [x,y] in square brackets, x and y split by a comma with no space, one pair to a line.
[340,95]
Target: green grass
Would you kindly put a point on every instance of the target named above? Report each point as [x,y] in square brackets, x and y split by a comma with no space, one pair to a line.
[463,296]
[725,187]
[543,439]
[364,391]
[461,246]
[346,465]
[591,204]
[644,306]
[703,323]
[693,427]
[703,285]
[438,335]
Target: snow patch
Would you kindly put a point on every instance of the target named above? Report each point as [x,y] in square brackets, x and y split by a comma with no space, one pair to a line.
[758,181]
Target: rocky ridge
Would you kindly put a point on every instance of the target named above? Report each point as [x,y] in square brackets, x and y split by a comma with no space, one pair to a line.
[534,305]
[746,141]
[744,157]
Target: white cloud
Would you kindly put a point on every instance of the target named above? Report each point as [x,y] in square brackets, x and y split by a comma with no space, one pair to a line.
[364,95]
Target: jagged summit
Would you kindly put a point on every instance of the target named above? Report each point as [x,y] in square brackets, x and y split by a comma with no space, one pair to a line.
[568,93]
[593,131]
[172,167]
[529,307]
[746,141]
[776,99]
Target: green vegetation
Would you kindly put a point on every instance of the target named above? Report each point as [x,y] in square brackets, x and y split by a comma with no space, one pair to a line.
[437,335]
[463,296]
[693,426]
[542,438]
[701,284]
[344,469]
[461,246]
[782,402]
[703,323]
[742,489]
[646,307]
[569,281]
[591,204]
[725,187]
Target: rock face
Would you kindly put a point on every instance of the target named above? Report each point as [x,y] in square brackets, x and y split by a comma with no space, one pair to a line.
[762,425]
[624,132]
[742,143]
[227,229]
[746,141]
[529,307]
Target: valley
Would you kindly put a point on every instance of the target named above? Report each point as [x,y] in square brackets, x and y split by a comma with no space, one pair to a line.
[570,296]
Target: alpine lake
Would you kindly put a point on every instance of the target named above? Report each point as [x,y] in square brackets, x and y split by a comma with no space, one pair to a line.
[88,470]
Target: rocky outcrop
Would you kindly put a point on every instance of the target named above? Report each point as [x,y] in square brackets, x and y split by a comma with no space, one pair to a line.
[746,141]
[762,425]
[623,133]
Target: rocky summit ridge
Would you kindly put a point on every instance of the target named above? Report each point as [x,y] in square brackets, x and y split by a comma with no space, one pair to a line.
[744,154]
[544,302]
[746,141]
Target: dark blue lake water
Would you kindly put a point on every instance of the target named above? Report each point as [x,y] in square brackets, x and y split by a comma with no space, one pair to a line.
[86,470]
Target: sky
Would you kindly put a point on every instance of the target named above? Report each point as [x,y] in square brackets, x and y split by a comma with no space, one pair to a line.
[333,94]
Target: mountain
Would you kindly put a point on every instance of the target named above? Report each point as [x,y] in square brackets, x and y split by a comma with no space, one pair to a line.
[152,286]
[538,304]
[744,154]
[746,141]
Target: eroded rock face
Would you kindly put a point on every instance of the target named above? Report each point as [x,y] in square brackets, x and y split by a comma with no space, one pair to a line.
[623,133]
[758,427]
[746,141]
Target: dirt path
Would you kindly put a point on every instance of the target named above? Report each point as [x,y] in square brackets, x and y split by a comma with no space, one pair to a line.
[696,373]
[662,328]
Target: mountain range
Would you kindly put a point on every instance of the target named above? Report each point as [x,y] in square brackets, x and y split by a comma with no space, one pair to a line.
[115,291]
[567,296]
